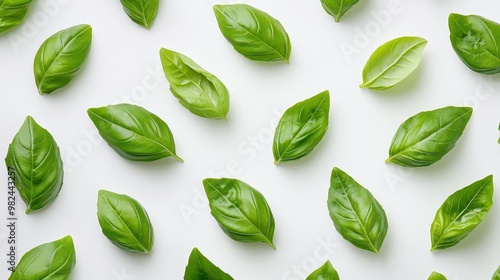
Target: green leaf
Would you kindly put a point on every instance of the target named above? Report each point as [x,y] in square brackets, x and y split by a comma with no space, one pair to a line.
[49,261]
[35,156]
[325,272]
[427,136]
[356,214]
[201,268]
[13,13]
[436,276]
[496,276]
[337,8]
[142,12]
[253,33]
[475,40]
[197,90]
[461,212]
[134,132]
[61,57]
[392,62]
[301,128]
[499,130]
[125,222]
[241,211]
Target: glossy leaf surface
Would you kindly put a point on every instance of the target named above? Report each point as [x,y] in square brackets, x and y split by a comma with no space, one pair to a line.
[142,12]
[50,261]
[201,268]
[392,62]
[241,211]
[125,222]
[61,57]
[134,132]
[35,157]
[337,8]
[356,214]
[196,89]
[301,128]
[324,272]
[461,213]
[427,136]
[253,33]
[13,13]
[475,40]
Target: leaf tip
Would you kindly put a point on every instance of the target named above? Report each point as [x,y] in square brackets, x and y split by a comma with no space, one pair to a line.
[41,91]
[68,238]
[91,111]
[216,7]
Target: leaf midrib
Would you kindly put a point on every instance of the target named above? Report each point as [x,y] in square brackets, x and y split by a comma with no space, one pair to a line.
[146,24]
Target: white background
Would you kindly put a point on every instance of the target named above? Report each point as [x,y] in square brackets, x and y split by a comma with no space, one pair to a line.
[124,67]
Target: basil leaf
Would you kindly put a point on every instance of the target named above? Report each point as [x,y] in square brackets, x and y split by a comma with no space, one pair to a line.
[499,130]
[301,128]
[392,62]
[13,13]
[142,12]
[325,272]
[49,261]
[436,276]
[356,214]
[36,159]
[197,90]
[241,211]
[461,212]
[134,132]
[496,276]
[475,40]
[125,222]
[427,136]
[201,268]
[337,8]
[253,33]
[61,56]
